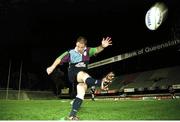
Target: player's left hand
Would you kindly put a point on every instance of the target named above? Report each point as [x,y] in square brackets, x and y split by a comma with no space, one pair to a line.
[106,42]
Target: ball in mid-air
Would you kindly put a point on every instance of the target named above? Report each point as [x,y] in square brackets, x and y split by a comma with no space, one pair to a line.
[156,15]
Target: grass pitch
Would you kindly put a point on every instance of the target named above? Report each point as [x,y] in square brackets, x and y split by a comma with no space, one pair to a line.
[90,110]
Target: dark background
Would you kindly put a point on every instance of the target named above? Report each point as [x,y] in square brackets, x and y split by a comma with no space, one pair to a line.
[37,31]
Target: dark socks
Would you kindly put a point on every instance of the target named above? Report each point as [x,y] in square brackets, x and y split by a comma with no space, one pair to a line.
[76,105]
[92,82]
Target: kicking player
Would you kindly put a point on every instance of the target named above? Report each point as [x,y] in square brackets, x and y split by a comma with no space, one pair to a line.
[78,59]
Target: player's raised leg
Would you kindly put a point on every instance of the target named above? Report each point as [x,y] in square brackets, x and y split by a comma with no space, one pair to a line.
[86,81]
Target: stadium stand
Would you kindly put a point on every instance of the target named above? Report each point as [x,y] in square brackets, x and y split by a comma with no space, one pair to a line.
[154,80]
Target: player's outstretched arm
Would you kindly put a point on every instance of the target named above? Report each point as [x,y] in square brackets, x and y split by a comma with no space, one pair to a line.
[105,43]
[61,58]
[50,69]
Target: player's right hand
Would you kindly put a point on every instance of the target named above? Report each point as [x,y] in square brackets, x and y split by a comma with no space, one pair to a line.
[49,70]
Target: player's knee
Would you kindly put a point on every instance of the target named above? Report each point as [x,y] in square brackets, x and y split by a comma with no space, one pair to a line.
[82,76]
[81,96]
[81,89]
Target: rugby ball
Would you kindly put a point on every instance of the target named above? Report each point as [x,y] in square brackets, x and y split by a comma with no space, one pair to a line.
[155,16]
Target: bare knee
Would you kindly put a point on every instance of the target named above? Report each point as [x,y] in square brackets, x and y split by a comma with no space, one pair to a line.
[81,90]
[82,76]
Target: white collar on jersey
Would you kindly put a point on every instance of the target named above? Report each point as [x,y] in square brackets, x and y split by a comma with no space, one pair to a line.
[85,53]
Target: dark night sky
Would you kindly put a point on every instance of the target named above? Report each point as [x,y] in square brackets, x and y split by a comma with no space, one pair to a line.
[37,31]
[37,27]
[42,23]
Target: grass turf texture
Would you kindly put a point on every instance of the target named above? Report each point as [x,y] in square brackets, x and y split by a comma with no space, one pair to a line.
[98,110]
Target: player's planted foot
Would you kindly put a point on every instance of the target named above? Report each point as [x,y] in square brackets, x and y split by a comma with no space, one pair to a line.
[73,118]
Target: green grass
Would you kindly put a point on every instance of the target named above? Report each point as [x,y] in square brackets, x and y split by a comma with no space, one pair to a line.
[98,110]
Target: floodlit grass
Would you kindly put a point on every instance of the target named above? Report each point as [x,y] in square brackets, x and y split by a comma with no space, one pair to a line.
[98,110]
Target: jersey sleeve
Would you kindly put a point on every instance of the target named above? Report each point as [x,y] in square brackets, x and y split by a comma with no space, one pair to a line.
[92,51]
[64,57]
